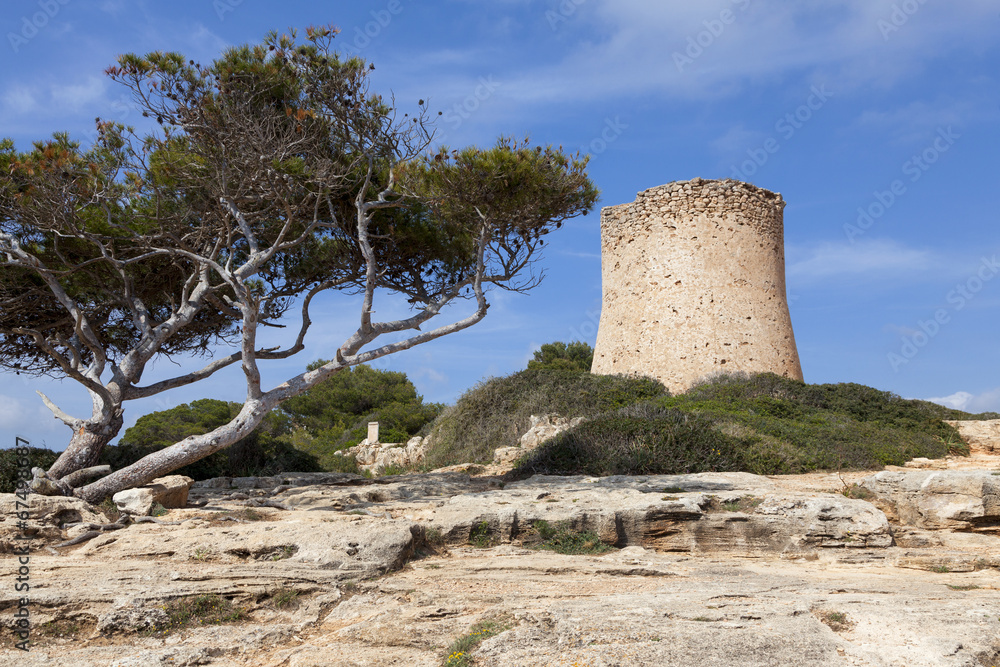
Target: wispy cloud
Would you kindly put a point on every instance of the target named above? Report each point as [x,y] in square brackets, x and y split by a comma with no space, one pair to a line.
[20,100]
[75,96]
[863,259]
[837,42]
[914,121]
[988,401]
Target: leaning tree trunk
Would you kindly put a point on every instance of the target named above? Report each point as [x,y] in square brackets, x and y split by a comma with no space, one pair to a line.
[86,445]
[191,449]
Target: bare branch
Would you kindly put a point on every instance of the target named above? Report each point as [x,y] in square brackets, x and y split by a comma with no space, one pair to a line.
[72,422]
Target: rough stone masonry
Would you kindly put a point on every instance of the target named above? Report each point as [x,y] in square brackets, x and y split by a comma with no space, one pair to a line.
[694,283]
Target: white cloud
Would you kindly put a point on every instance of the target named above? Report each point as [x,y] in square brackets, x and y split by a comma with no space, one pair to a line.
[919,120]
[78,95]
[203,40]
[11,412]
[988,401]
[957,401]
[20,100]
[865,258]
[838,42]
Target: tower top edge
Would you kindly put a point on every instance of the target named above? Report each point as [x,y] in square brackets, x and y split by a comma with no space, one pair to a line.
[727,187]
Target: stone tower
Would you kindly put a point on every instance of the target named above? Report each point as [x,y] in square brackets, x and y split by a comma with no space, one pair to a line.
[694,283]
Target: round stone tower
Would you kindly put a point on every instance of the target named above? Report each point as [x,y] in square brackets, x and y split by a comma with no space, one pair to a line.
[694,283]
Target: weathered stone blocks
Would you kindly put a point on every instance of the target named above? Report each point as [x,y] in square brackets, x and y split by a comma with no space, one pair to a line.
[694,284]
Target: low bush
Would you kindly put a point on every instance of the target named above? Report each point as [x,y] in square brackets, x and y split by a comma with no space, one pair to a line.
[495,413]
[562,539]
[640,439]
[764,424]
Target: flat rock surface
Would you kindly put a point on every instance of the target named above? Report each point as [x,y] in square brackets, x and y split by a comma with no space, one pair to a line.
[714,569]
[629,607]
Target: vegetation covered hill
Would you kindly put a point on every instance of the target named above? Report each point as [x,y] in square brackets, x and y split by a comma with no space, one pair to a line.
[495,413]
[763,424]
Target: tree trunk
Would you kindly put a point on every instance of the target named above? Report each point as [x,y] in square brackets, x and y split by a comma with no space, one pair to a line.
[85,446]
[189,450]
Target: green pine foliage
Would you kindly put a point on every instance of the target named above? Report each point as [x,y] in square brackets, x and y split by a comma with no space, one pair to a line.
[558,356]
[334,414]
[301,436]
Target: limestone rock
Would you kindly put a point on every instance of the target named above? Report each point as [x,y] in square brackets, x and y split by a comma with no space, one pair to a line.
[935,500]
[506,456]
[540,429]
[543,427]
[748,518]
[137,502]
[982,436]
[132,616]
[49,510]
[378,456]
[46,516]
[171,491]
[717,568]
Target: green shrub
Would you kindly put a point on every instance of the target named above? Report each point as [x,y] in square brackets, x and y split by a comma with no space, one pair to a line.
[397,422]
[340,407]
[321,447]
[458,652]
[334,414]
[209,609]
[644,438]
[495,413]
[38,457]
[764,424]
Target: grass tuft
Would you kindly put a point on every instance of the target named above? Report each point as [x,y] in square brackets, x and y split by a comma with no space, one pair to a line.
[561,539]
[458,653]
[208,609]
[284,597]
[835,620]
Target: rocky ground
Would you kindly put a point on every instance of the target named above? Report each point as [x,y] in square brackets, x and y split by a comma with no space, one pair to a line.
[712,569]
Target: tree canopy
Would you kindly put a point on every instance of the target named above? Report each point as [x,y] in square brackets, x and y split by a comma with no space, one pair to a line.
[577,356]
[274,174]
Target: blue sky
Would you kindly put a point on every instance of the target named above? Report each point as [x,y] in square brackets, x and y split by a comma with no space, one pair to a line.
[877,120]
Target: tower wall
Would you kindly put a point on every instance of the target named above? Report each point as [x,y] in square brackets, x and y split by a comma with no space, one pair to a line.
[694,283]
